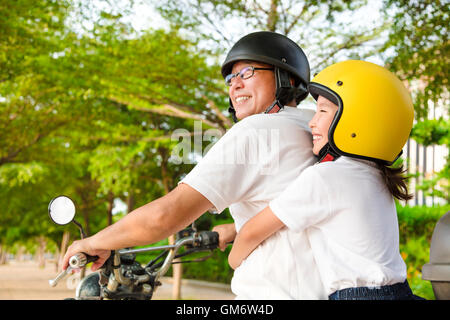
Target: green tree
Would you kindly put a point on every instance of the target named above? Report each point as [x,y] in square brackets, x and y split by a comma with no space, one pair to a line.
[327,30]
[419,53]
[29,31]
[419,36]
[90,114]
[29,101]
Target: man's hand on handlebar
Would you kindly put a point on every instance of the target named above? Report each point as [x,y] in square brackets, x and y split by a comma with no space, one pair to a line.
[84,247]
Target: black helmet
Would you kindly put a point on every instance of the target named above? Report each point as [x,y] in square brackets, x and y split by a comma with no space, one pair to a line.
[281,52]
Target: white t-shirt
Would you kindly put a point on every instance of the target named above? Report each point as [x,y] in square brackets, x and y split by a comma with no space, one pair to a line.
[249,166]
[351,221]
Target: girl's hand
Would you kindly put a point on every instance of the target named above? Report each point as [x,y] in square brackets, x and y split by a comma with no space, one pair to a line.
[227,233]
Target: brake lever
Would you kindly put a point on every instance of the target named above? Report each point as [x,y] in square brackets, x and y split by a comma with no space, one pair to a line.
[61,275]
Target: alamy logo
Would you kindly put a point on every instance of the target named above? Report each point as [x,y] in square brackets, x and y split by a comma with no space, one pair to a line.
[240,146]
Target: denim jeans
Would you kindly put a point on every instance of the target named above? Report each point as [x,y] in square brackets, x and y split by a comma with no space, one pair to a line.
[398,291]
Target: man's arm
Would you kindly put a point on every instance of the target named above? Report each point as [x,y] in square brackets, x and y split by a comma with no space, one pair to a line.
[148,224]
[252,233]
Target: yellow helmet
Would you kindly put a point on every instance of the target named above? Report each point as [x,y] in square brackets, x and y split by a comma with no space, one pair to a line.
[375,114]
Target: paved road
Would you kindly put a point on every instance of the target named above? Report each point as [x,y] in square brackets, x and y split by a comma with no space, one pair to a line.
[26,281]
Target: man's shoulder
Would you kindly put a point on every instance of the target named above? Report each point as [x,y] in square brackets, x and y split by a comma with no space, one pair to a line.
[286,119]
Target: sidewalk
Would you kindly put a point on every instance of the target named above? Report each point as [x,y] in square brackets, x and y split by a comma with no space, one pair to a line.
[26,281]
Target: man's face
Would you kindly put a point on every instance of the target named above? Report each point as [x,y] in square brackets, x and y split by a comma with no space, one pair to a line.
[253,95]
[321,122]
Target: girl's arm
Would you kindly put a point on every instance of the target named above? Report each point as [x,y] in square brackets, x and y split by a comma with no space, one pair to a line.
[255,231]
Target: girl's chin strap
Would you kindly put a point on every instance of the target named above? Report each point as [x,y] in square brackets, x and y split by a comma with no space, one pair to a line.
[327,154]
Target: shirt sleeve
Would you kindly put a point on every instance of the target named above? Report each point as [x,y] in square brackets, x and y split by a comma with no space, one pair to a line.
[226,173]
[304,202]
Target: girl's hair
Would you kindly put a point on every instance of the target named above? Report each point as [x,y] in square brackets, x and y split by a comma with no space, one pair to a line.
[395,180]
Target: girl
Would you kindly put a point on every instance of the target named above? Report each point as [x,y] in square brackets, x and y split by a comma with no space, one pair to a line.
[345,202]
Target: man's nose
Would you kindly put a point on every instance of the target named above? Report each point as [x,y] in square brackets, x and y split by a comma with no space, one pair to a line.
[237,82]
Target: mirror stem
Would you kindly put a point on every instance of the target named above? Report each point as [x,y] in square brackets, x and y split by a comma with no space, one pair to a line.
[83,235]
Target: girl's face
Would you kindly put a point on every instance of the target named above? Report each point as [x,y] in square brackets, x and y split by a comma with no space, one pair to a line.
[321,122]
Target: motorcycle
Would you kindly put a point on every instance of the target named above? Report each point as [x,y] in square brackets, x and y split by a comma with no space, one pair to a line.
[121,277]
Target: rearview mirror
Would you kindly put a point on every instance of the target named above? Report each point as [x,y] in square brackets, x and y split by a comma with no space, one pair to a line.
[61,210]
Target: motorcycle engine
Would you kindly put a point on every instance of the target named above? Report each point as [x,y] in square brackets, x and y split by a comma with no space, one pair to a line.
[88,287]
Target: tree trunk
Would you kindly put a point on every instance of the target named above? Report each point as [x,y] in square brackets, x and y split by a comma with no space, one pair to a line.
[41,252]
[64,244]
[88,232]
[110,207]
[273,16]
[130,202]
[176,268]
[86,194]
[19,254]
[177,274]
[3,255]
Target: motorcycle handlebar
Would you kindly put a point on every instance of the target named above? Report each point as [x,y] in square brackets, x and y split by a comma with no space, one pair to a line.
[75,262]
[201,240]
[208,240]
[80,259]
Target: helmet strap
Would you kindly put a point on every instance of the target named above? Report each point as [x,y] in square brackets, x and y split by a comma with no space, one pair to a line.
[275,107]
[232,111]
[284,89]
[283,86]
[327,154]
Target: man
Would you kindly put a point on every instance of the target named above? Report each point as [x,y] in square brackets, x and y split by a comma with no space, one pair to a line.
[251,164]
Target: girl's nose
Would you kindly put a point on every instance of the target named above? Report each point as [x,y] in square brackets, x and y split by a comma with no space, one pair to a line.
[312,122]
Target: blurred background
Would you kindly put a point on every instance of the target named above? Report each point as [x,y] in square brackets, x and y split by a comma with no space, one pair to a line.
[91,92]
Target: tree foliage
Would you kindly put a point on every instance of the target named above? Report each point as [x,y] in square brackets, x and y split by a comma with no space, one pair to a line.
[91,113]
[324,29]
[88,105]
[421,57]
[419,37]
[29,30]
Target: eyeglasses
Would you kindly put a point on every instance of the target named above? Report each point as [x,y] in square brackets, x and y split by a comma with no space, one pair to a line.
[245,73]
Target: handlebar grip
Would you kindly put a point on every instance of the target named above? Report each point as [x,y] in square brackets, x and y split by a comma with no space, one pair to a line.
[81,259]
[91,258]
[209,239]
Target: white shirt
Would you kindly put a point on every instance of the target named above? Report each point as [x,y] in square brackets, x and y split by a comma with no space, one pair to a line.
[249,166]
[351,221]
